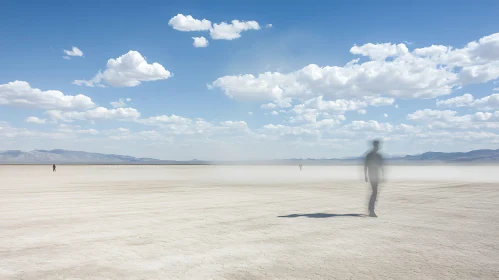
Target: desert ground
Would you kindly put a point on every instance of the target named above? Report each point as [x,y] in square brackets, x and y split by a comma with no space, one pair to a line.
[242,222]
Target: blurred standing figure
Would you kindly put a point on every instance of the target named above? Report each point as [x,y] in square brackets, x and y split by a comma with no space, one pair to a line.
[373,166]
[53,168]
[300,166]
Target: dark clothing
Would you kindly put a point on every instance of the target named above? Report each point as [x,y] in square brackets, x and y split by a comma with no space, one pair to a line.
[374,165]
[53,168]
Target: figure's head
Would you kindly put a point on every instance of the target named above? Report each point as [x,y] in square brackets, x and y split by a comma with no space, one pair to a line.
[376,145]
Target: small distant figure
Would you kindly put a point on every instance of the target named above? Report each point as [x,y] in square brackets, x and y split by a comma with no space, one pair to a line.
[300,166]
[373,172]
[53,168]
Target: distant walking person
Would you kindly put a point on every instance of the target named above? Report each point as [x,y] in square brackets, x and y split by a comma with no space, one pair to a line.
[373,172]
[53,168]
[300,166]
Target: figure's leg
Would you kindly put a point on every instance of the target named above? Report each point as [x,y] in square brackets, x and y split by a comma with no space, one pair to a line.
[374,194]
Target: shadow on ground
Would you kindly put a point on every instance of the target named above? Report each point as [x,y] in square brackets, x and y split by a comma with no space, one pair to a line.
[320,215]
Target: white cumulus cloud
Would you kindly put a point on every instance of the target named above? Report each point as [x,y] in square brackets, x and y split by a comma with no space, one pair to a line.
[88,131]
[238,125]
[218,31]
[338,105]
[200,42]
[490,102]
[268,106]
[418,78]
[380,51]
[121,103]
[380,101]
[428,114]
[459,101]
[128,70]
[188,23]
[73,52]
[423,73]
[164,119]
[431,51]
[35,120]
[283,130]
[231,31]
[20,93]
[369,126]
[445,119]
[317,107]
[96,114]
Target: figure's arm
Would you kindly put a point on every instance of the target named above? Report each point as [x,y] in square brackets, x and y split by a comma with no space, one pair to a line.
[382,167]
[365,169]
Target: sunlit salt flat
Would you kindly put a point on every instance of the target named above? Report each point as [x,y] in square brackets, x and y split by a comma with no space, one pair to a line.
[243,222]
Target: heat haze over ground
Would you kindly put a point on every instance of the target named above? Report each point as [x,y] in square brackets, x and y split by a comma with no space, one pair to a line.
[247,222]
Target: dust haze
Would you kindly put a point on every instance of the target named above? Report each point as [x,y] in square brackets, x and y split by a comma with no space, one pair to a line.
[247,222]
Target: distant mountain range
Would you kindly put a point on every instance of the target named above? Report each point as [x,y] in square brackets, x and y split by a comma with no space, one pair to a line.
[476,155]
[78,157]
[64,156]
[472,156]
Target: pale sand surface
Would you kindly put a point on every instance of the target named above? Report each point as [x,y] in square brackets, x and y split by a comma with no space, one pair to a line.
[214,222]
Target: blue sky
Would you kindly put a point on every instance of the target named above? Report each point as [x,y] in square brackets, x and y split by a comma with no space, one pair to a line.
[418,83]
